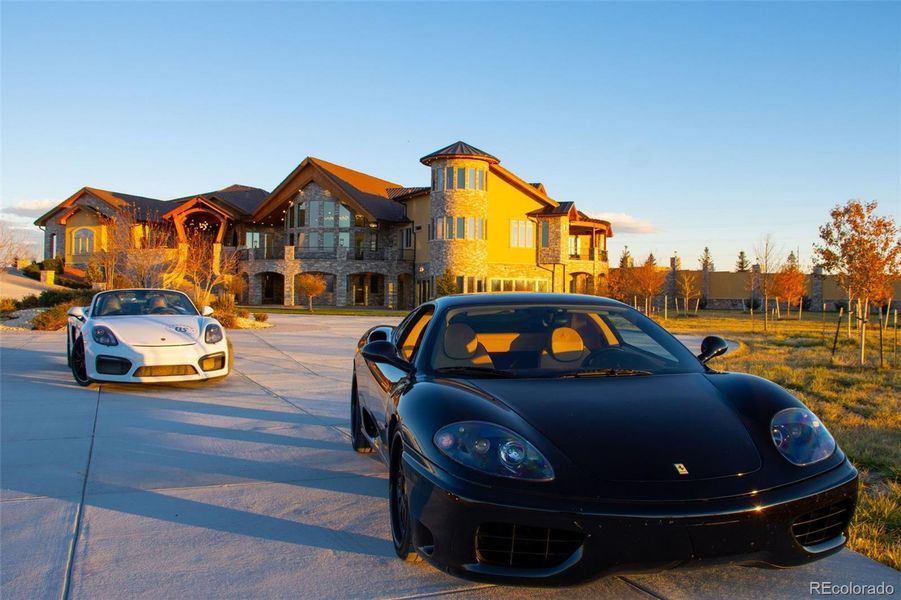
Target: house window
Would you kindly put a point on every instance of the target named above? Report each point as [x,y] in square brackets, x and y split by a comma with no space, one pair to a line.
[545,234]
[343,216]
[315,240]
[301,216]
[373,242]
[461,228]
[522,234]
[84,241]
[575,244]
[461,178]
[344,239]
[252,239]
[481,179]
[450,178]
[290,217]
[472,179]
[470,228]
[359,221]
[408,238]
[439,179]
[449,227]
[328,240]
[290,239]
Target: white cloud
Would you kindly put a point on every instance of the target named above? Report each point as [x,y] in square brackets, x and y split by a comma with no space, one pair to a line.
[625,223]
[29,208]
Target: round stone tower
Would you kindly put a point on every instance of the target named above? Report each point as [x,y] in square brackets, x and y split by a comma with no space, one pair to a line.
[459,214]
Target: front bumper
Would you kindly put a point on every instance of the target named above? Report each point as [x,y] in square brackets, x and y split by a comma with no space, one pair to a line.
[627,537]
[156,356]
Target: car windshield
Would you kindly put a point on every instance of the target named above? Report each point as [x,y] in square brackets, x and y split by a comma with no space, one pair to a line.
[122,303]
[555,341]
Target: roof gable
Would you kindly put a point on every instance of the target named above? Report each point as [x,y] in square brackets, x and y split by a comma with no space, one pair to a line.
[365,193]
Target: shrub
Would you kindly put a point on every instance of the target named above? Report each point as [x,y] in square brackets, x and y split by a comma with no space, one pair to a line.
[52,264]
[228,320]
[28,302]
[53,318]
[54,297]
[244,314]
[71,283]
[7,305]
[261,317]
[225,303]
[32,271]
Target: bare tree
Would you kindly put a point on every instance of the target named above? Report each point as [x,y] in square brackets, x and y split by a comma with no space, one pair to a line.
[136,249]
[310,285]
[768,259]
[12,244]
[205,268]
[687,284]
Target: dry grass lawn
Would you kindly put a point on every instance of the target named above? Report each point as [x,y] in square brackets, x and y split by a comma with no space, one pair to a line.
[860,405]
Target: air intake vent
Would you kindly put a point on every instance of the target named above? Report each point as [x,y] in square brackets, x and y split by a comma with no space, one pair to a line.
[508,545]
[821,525]
[165,371]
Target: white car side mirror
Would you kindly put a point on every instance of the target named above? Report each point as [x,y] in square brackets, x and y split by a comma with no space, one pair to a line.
[206,311]
[77,312]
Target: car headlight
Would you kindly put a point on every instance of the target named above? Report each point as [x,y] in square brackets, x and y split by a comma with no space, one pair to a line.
[212,334]
[494,450]
[801,437]
[103,336]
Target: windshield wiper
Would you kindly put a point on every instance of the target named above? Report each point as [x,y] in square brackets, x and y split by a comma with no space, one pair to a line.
[613,372]
[476,371]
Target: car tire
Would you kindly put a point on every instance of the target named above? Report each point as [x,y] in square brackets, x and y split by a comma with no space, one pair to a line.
[399,505]
[79,368]
[357,439]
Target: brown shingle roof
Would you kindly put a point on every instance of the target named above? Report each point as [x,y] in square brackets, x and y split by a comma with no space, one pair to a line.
[402,193]
[371,193]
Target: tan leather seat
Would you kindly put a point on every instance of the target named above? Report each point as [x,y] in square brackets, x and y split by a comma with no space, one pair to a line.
[461,348]
[565,350]
[111,306]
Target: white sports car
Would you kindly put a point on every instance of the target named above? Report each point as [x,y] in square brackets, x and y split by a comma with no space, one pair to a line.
[145,336]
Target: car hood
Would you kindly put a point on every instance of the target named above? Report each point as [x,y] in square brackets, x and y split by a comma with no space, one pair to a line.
[150,330]
[635,428]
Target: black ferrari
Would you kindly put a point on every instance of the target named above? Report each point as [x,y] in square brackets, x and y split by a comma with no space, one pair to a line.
[554,438]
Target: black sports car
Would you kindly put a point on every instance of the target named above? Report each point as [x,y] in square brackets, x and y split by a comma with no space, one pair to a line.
[554,438]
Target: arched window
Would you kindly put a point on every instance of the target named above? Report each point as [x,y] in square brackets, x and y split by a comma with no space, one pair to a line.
[84,241]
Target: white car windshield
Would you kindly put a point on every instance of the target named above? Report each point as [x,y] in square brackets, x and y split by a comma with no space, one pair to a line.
[123,303]
[555,341]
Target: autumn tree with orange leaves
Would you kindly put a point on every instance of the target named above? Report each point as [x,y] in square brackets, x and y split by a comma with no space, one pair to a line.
[790,283]
[648,280]
[862,249]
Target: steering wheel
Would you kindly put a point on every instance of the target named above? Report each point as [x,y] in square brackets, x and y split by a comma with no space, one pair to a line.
[163,310]
[608,356]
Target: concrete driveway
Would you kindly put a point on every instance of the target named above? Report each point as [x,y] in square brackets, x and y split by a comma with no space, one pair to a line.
[244,488]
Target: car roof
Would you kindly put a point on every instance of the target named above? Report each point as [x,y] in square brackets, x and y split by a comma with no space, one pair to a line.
[525,298]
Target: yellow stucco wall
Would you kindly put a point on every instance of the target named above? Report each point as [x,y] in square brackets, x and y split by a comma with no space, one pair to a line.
[506,203]
[419,211]
[83,220]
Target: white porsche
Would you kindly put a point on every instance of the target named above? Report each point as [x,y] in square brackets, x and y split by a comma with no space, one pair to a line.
[145,336]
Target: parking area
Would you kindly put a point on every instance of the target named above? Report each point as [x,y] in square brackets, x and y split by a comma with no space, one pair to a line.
[243,488]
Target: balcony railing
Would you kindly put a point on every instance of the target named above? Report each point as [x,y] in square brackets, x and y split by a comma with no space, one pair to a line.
[589,254]
[367,254]
[316,252]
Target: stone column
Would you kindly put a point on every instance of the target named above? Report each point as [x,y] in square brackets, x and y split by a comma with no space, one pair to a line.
[340,289]
[367,282]
[255,291]
[289,288]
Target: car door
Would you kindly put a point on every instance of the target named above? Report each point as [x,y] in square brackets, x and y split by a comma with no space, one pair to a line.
[385,378]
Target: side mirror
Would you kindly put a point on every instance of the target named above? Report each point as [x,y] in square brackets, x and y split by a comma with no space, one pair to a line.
[380,332]
[206,311]
[711,347]
[77,312]
[384,352]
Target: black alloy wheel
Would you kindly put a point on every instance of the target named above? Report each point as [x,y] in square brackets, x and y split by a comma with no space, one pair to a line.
[399,505]
[79,367]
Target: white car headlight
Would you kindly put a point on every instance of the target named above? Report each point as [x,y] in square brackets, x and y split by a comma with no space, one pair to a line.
[801,437]
[103,336]
[213,334]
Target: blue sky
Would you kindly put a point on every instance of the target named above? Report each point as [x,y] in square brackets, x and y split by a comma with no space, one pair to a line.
[689,124]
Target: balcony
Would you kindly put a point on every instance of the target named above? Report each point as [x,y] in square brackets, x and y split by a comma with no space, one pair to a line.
[316,252]
[590,254]
[367,254]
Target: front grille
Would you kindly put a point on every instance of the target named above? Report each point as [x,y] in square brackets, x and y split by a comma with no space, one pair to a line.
[509,545]
[112,365]
[165,371]
[822,524]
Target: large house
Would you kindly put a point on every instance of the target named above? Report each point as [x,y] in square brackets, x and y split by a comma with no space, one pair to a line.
[377,243]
